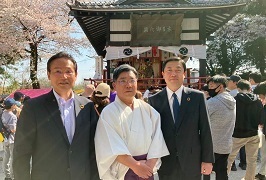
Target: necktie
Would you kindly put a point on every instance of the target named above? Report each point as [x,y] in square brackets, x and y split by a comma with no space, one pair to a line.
[175,108]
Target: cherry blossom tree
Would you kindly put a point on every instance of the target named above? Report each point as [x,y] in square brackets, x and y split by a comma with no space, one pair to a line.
[35,29]
[240,43]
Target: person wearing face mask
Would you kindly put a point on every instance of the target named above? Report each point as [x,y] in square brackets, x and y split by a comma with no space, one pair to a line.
[222,112]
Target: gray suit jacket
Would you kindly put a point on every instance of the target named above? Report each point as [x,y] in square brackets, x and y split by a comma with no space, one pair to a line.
[190,139]
[41,135]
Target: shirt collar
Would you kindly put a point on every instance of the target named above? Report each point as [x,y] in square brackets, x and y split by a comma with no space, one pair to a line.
[59,98]
[123,105]
[253,86]
[177,92]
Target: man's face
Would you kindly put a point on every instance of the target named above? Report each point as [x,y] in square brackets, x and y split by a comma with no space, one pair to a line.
[174,73]
[231,85]
[13,107]
[262,97]
[62,75]
[212,85]
[252,82]
[126,85]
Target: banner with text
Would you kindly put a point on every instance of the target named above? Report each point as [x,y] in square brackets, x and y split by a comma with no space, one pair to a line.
[156,30]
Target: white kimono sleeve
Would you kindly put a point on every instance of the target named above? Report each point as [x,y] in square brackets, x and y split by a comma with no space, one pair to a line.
[108,145]
[158,146]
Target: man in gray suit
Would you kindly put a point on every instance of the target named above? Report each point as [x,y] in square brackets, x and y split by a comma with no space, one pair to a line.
[185,126]
[56,130]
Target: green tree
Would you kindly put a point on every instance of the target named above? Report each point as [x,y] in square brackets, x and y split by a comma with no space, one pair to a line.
[256,49]
[256,53]
[240,43]
[8,83]
[225,54]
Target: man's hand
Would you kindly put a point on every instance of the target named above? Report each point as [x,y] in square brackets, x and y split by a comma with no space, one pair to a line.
[206,168]
[138,167]
[151,162]
[142,170]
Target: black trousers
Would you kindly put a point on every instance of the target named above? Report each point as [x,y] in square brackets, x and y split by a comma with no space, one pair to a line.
[220,167]
[178,174]
[242,156]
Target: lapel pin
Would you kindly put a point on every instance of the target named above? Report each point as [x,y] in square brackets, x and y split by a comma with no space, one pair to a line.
[81,106]
[188,99]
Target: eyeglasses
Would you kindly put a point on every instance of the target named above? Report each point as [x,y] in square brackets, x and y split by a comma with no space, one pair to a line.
[68,73]
[124,82]
[170,71]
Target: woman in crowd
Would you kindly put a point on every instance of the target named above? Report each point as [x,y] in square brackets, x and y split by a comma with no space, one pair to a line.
[100,97]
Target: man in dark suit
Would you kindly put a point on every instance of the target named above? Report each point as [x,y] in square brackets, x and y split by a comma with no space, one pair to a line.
[56,130]
[185,126]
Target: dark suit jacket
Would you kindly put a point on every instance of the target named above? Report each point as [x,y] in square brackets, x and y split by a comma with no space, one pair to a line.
[41,135]
[190,139]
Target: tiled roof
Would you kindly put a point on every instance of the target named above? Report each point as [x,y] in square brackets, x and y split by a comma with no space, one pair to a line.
[117,4]
[92,15]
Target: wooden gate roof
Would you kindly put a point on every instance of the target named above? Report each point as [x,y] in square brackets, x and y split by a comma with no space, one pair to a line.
[93,15]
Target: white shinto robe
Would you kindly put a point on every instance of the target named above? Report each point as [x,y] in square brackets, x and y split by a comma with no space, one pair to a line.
[123,131]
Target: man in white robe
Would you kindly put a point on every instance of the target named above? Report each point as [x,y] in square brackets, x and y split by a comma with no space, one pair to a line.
[127,128]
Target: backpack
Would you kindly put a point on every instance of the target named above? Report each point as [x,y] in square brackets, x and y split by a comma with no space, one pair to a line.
[3,130]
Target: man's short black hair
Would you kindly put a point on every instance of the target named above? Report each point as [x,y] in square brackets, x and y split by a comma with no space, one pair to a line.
[175,58]
[260,88]
[18,95]
[123,68]
[204,87]
[256,76]
[61,55]
[234,78]
[218,79]
[244,85]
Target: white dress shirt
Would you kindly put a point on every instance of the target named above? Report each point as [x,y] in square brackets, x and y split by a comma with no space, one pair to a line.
[171,98]
[67,114]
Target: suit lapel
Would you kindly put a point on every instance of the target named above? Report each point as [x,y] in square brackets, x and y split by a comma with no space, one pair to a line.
[184,103]
[78,106]
[166,107]
[55,114]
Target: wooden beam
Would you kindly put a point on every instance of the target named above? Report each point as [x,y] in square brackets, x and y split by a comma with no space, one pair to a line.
[128,2]
[182,1]
[202,35]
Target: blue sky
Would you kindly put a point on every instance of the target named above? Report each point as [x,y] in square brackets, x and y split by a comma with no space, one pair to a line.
[86,68]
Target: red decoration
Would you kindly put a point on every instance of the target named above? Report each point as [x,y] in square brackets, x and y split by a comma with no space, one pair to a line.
[32,93]
[154,50]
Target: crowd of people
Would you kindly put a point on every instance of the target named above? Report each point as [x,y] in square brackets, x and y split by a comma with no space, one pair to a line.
[112,132]
[9,113]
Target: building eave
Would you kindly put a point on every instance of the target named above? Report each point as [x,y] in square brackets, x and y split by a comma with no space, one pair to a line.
[144,9]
